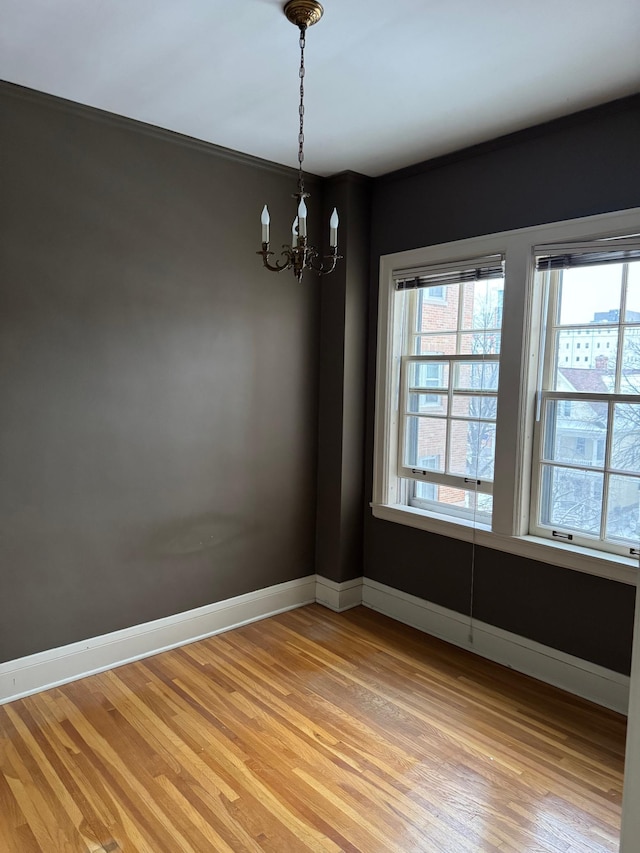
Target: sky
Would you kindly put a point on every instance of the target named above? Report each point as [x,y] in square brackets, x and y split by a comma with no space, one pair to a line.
[590,289]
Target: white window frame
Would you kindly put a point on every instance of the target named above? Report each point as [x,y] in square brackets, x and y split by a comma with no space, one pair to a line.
[521,322]
[445,477]
[562,398]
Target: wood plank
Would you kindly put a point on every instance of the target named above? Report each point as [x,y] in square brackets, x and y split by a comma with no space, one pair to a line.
[310,731]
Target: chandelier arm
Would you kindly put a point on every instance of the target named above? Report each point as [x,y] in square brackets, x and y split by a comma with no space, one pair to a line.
[320,268]
[278,266]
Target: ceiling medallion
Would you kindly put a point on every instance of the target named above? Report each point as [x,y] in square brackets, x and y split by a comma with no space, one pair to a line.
[303,13]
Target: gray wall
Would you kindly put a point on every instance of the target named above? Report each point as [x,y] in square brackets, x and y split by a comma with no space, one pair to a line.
[158,439]
[158,387]
[343,346]
[578,166]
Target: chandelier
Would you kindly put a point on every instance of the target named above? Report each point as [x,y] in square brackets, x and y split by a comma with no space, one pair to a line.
[300,256]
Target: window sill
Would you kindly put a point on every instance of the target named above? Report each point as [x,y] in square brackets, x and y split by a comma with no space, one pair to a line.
[575,557]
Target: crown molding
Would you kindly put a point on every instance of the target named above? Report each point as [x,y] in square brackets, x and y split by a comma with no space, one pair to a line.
[23,93]
[347,176]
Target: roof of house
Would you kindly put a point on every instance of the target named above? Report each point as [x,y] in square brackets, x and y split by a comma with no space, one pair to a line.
[588,379]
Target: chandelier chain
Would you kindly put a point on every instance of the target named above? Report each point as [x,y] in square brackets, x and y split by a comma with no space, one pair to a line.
[300,255]
[301,112]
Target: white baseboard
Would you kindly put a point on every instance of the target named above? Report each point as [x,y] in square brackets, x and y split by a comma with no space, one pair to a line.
[53,667]
[338,596]
[577,676]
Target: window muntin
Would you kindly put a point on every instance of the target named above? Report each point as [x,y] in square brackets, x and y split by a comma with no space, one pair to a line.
[587,460]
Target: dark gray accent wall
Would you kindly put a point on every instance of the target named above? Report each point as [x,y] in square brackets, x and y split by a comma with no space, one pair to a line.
[579,166]
[158,438]
[343,337]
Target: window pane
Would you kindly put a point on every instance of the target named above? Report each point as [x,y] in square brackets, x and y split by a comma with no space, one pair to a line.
[425,442]
[481,503]
[435,293]
[428,403]
[575,432]
[471,449]
[426,491]
[589,369]
[474,407]
[439,312]
[590,295]
[625,441]
[630,378]
[429,374]
[482,304]
[632,314]
[571,499]
[476,375]
[438,344]
[465,502]
[479,343]
[623,509]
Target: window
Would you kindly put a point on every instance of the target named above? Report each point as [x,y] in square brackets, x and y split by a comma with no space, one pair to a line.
[429,375]
[483,431]
[450,355]
[434,294]
[590,497]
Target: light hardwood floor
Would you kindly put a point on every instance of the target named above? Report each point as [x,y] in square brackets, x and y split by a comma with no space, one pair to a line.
[310,731]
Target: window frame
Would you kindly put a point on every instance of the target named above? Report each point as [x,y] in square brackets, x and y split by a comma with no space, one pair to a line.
[553,398]
[411,382]
[523,313]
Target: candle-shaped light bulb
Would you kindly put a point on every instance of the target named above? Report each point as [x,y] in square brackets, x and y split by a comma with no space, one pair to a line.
[302,218]
[294,232]
[333,229]
[265,219]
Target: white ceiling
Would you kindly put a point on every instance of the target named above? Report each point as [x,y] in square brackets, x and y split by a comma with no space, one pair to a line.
[389,82]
